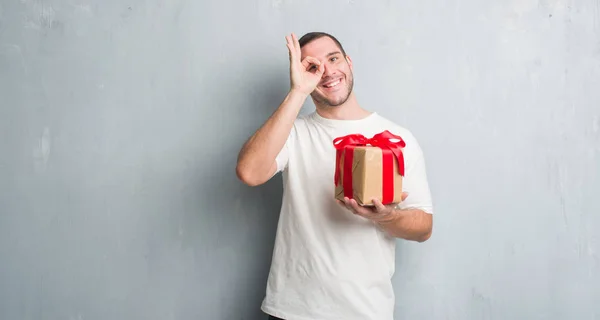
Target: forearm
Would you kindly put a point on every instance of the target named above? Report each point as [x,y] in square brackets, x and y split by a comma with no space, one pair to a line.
[409,224]
[257,157]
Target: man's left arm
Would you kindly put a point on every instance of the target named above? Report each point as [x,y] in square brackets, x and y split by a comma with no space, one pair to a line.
[405,223]
[412,218]
[409,224]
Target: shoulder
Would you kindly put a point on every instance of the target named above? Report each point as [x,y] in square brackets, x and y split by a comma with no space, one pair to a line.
[413,153]
[402,131]
[300,127]
[305,119]
[302,124]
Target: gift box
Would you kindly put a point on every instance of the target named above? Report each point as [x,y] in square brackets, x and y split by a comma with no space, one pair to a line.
[368,168]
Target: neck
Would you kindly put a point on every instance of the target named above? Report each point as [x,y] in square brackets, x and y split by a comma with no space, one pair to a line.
[350,110]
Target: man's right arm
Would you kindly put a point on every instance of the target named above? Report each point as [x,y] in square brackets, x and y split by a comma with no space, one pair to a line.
[256,161]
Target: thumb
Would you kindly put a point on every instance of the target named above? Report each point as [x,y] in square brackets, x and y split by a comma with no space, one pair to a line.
[404,195]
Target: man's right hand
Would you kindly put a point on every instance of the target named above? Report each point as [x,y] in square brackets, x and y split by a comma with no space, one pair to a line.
[257,158]
[304,74]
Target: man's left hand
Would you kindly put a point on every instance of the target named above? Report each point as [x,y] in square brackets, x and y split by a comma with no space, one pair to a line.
[379,212]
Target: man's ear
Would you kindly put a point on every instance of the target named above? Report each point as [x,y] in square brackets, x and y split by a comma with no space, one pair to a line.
[349,61]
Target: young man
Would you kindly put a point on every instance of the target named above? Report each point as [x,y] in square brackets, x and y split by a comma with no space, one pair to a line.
[332,259]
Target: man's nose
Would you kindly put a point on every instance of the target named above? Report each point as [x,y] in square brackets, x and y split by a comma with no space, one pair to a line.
[328,71]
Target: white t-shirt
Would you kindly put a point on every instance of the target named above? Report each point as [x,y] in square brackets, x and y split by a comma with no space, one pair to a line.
[327,262]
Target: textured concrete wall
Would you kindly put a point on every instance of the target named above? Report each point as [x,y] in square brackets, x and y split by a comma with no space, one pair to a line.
[120,122]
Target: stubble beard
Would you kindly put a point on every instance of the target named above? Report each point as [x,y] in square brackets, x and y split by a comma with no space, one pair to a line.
[324,101]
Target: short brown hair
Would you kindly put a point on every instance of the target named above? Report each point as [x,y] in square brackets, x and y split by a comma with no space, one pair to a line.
[305,39]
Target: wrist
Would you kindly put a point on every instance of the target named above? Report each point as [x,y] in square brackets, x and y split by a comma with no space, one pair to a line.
[294,100]
[392,218]
[298,93]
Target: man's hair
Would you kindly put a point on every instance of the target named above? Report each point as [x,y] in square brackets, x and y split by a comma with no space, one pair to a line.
[311,36]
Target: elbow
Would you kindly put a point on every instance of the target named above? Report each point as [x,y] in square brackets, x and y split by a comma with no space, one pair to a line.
[247,177]
[424,237]
[426,234]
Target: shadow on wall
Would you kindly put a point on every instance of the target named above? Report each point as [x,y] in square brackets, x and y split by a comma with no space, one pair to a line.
[235,224]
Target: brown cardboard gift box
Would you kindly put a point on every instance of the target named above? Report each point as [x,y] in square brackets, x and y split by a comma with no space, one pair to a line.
[376,168]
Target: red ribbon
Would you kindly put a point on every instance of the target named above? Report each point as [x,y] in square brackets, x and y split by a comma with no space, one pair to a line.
[390,150]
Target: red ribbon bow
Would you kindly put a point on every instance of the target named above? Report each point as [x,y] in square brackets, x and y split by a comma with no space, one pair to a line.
[390,150]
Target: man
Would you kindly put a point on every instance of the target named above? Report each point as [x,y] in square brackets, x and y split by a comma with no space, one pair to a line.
[331,260]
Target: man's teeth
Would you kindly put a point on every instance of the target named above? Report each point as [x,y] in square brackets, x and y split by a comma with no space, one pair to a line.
[333,84]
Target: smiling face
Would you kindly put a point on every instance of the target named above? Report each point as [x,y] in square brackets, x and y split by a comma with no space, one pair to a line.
[337,81]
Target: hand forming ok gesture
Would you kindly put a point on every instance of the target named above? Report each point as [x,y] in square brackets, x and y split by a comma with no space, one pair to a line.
[305,74]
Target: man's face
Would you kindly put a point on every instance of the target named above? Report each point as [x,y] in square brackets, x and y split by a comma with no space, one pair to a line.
[337,81]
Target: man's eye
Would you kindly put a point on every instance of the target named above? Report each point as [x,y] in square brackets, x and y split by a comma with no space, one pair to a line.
[334,58]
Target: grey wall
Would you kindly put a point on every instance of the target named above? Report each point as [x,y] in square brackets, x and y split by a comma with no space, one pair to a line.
[120,123]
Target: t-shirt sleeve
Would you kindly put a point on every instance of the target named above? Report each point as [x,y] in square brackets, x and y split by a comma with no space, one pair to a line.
[415,178]
[283,156]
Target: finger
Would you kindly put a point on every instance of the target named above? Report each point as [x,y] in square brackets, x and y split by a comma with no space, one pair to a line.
[321,70]
[360,210]
[346,203]
[379,207]
[296,43]
[291,47]
[352,206]
[310,61]
[290,53]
